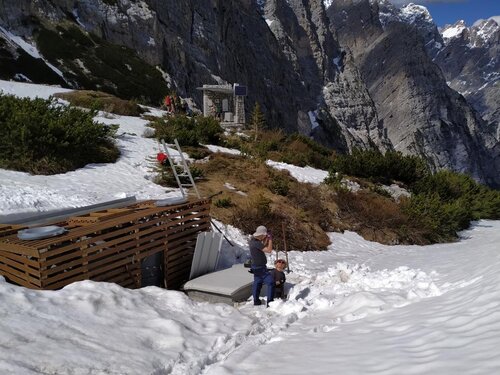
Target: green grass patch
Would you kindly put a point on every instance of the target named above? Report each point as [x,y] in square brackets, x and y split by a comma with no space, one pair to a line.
[41,137]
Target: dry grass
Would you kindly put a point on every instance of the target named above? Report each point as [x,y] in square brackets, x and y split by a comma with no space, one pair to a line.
[378,218]
[306,211]
[101,101]
[253,203]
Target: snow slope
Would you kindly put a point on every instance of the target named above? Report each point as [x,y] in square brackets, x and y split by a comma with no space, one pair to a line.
[357,308]
[417,310]
[401,309]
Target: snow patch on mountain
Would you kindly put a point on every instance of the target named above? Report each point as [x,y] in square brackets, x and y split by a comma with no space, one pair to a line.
[484,32]
[412,13]
[453,31]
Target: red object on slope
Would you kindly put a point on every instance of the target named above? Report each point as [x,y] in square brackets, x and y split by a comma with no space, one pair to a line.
[161,157]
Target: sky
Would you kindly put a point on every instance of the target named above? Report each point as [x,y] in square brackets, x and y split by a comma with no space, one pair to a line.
[449,11]
[359,307]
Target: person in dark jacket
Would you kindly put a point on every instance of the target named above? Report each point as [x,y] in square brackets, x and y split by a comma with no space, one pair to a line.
[261,243]
[279,278]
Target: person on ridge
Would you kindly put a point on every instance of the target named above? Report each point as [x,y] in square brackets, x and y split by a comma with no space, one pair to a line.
[279,278]
[168,103]
[260,243]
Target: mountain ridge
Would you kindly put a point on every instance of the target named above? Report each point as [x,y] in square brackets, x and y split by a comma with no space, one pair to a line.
[298,61]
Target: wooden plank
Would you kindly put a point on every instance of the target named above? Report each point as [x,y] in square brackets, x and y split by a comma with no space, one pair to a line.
[92,244]
[103,273]
[179,272]
[20,258]
[8,229]
[7,270]
[21,281]
[21,267]
[5,245]
[79,232]
[178,251]
[186,265]
[93,268]
[65,282]
[108,267]
[120,272]
[175,281]
[127,239]
[173,247]
[98,216]
[179,262]
[95,254]
[118,232]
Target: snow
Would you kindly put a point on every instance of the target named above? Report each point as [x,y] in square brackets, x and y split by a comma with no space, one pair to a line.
[327,3]
[486,32]
[75,14]
[28,90]
[28,48]
[313,119]
[223,150]
[396,191]
[454,31]
[21,77]
[166,76]
[412,13]
[337,61]
[140,10]
[302,174]
[359,307]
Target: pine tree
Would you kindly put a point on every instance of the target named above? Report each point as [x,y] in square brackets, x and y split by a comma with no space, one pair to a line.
[258,120]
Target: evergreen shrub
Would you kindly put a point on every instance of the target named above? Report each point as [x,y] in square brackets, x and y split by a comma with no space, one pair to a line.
[373,165]
[293,149]
[42,137]
[446,202]
[189,131]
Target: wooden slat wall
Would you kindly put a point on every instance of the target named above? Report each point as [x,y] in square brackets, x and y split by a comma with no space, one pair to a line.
[109,250]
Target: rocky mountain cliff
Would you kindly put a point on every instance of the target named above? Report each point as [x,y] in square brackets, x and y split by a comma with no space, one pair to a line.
[470,60]
[421,113]
[468,56]
[341,76]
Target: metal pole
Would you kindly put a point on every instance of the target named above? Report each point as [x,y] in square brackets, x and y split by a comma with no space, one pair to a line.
[216,227]
[285,250]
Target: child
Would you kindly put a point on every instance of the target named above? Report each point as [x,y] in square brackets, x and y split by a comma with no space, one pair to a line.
[279,278]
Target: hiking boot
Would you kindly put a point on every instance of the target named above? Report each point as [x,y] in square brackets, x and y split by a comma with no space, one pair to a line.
[257,303]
